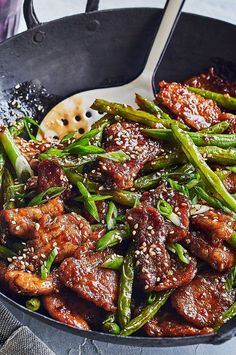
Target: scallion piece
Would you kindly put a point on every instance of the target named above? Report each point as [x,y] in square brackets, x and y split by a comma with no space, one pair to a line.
[230,280]
[46,267]
[118,156]
[111,216]
[88,203]
[178,249]
[50,193]
[165,209]
[6,253]
[17,159]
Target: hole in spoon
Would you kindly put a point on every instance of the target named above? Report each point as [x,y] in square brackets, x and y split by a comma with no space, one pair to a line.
[88,114]
[81,130]
[77,118]
[65,121]
[100,112]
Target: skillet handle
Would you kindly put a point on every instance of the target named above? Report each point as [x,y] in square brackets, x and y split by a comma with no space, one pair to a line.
[32,20]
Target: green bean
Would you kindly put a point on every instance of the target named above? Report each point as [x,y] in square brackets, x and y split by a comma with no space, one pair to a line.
[232,240]
[165,161]
[125,289]
[75,177]
[112,238]
[219,155]
[7,183]
[111,327]
[209,177]
[148,181]
[223,100]
[230,279]
[46,267]
[131,114]
[33,304]
[6,253]
[150,107]
[225,317]
[148,313]
[217,128]
[200,139]
[113,262]
[126,198]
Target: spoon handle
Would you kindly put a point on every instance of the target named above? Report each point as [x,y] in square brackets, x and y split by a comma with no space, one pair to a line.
[169,20]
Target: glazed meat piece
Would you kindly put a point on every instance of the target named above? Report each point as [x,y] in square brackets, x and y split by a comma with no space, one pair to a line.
[51,174]
[68,308]
[180,206]
[156,269]
[65,232]
[216,224]
[90,281]
[141,149]
[196,111]
[171,325]
[26,283]
[204,300]
[232,126]
[211,81]
[21,222]
[31,149]
[219,257]
[179,274]
[149,234]
[230,183]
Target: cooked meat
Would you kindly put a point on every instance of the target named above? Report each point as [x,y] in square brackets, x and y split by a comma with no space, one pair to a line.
[211,81]
[219,257]
[68,308]
[216,224]
[21,222]
[26,283]
[232,126]
[51,174]
[65,232]
[141,149]
[171,325]
[196,111]
[149,234]
[90,281]
[230,183]
[179,204]
[179,274]
[204,300]
[31,149]
[3,270]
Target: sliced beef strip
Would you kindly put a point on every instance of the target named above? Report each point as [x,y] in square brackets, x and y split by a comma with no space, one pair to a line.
[170,325]
[216,224]
[156,269]
[51,174]
[196,111]
[68,308]
[29,284]
[230,183]
[149,234]
[204,300]
[21,222]
[180,206]
[219,257]
[211,81]
[90,281]
[66,233]
[141,149]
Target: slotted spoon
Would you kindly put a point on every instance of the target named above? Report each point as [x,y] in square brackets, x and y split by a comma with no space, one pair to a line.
[74,113]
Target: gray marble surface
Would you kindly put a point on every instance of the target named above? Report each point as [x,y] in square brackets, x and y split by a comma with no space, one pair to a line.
[64,343]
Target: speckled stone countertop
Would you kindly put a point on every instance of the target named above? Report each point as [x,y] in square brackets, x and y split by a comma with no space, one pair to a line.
[64,343]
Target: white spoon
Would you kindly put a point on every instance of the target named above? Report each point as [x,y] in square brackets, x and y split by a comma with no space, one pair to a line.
[74,113]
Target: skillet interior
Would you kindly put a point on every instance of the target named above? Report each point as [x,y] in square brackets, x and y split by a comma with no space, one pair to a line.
[108,48]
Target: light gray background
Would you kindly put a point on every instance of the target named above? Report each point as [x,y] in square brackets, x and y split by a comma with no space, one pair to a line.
[63,343]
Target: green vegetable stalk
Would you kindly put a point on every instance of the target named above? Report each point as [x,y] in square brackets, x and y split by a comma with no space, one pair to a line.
[223,100]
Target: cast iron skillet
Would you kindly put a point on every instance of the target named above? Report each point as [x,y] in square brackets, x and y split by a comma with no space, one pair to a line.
[107,48]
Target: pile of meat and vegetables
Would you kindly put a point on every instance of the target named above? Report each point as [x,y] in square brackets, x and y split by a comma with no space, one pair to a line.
[130,228]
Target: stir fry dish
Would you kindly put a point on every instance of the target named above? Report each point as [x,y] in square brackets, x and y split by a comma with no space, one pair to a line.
[129,228]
